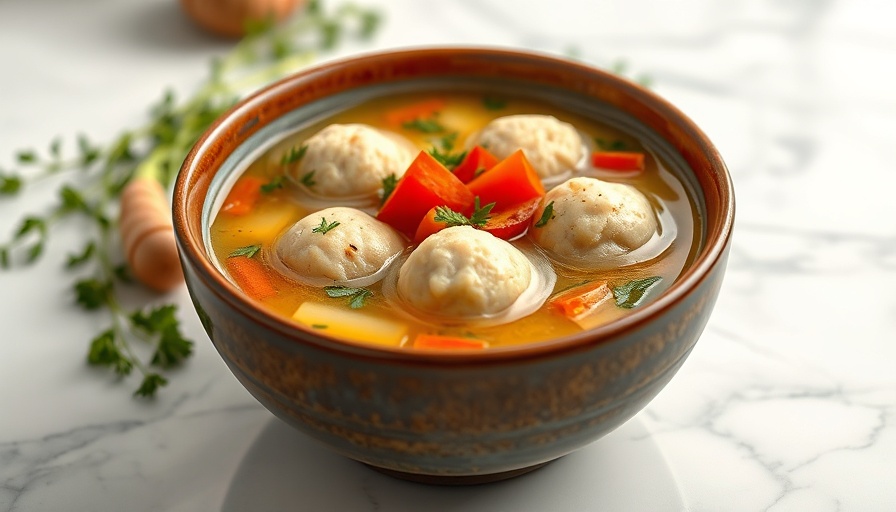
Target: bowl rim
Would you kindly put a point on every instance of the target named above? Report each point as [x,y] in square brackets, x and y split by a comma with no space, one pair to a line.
[191,247]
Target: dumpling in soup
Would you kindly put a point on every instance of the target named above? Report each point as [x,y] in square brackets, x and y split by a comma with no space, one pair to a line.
[337,244]
[346,160]
[551,146]
[594,220]
[464,272]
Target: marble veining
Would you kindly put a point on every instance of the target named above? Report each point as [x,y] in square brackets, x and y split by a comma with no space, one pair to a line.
[787,403]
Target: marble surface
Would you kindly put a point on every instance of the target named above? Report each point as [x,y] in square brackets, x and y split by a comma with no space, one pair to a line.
[788,402]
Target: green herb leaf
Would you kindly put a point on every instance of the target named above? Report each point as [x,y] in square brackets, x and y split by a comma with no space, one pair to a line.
[151,383]
[431,125]
[447,142]
[448,159]
[628,295]
[89,152]
[610,145]
[451,218]
[71,200]
[389,184]
[324,227]
[295,155]
[546,215]
[272,185]
[92,294]
[481,215]
[248,251]
[75,260]
[26,156]
[357,296]
[10,184]
[161,322]
[30,225]
[494,103]
[308,179]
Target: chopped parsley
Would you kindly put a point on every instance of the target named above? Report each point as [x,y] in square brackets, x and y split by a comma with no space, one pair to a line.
[356,296]
[628,295]
[610,145]
[389,183]
[430,125]
[447,158]
[272,185]
[308,179]
[324,226]
[248,251]
[294,156]
[493,103]
[451,218]
[546,215]
[448,141]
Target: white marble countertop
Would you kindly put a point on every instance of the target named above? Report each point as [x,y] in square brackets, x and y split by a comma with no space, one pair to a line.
[788,402]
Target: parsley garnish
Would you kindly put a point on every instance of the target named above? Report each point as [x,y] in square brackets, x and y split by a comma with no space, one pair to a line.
[447,142]
[324,226]
[431,125]
[628,295]
[450,217]
[357,296]
[610,145]
[493,103]
[546,215]
[308,179]
[272,185]
[294,155]
[448,159]
[155,149]
[389,184]
[248,251]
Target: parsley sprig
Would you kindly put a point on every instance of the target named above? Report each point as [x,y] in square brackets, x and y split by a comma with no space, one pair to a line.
[356,296]
[97,172]
[325,226]
[451,218]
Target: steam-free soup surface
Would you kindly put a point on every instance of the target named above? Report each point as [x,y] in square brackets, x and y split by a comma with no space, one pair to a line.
[296,229]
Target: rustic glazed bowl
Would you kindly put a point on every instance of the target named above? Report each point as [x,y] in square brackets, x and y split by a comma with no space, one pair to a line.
[453,417]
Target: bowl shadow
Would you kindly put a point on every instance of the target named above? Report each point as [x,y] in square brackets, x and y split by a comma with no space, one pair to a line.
[286,470]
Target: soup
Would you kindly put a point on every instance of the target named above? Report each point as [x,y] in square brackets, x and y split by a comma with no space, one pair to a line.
[455,220]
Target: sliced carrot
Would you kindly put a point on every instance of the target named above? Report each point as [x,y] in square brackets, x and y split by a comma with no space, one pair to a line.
[243,195]
[514,221]
[436,342]
[251,276]
[422,110]
[581,300]
[618,160]
[425,185]
[510,182]
[477,161]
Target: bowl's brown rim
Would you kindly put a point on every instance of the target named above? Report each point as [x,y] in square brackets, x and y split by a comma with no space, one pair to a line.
[716,241]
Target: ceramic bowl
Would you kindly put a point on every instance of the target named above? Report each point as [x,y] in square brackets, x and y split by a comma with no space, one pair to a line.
[437,417]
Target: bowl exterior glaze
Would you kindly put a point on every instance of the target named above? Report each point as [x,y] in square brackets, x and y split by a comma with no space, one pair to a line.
[472,416]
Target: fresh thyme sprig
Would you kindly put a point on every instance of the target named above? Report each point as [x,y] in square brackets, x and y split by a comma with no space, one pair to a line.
[97,173]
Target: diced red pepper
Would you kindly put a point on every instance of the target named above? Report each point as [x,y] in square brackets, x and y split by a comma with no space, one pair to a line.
[477,161]
[510,182]
[514,221]
[425,185]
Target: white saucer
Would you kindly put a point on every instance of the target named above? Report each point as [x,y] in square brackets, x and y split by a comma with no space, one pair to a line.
[286,470]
